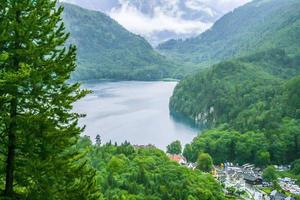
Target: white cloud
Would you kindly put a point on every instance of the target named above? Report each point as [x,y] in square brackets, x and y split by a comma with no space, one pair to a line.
[159,20]
[199,6]
[163,19]
[168,16]
[223,6]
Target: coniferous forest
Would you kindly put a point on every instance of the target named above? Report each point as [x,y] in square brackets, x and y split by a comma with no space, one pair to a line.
[240,81]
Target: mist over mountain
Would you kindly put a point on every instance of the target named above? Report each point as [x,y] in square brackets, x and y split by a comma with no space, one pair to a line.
[161,20]
[258,25]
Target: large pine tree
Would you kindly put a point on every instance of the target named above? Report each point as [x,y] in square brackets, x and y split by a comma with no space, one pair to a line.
[38,130]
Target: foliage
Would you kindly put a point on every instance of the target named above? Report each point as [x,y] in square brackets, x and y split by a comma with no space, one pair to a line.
[252,99]
[292,97]
[37,126]
[269,174]
[253,102]
[174,147]
[296,167]
[242,92]
[205,162]
[260,148]
[146,173]
[188,152]
[295,170]
[256,26]
[108,51]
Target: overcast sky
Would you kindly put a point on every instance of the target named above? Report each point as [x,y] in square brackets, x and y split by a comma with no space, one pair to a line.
[224,5]
[169,17]
[159,20]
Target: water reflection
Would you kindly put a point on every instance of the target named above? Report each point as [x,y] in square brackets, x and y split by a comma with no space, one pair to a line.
[134,111]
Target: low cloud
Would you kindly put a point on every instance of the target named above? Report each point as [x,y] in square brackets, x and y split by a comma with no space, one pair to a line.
[168,17]
[159,20]
[199,6]
[140,23]
[223,6]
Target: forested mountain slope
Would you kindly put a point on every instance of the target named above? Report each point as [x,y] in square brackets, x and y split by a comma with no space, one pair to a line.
[107,50]
[249,102]
[264,133]
[226,91]
[198,14]
[258,25]
[253,104]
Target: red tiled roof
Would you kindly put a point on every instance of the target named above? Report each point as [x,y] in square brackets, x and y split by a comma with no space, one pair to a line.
[176,158]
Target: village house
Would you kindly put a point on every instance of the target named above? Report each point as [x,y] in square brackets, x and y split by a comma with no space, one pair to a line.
[178,158]
[275,195]
[289,185]
[191,165]
[252,179]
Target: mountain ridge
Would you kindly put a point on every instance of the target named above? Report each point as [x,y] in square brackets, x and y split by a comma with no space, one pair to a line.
[226,91]
[157,20]
[106,50]
[255,26]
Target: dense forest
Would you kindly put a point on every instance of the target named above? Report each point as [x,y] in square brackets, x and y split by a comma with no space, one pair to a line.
[250,105]
[127,172]
[253,102]
[108,51]
[230,90]
[256,26]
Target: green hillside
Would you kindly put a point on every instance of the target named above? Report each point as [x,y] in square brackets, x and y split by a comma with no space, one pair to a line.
[264,133]
[258,25]
[250,106]
[222,93]
[108,51]
[249,101]
[125,172]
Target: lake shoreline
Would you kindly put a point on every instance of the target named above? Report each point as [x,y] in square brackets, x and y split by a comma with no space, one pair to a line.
[133,111]
[118,80]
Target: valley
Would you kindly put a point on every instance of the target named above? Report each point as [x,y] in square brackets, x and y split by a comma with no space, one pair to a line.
[94,107]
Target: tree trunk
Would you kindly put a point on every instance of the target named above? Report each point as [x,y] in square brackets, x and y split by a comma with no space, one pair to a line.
[12,128]
[11,150]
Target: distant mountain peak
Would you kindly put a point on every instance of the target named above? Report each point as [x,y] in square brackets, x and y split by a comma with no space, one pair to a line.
[258,25]
[158,20]
[105,50]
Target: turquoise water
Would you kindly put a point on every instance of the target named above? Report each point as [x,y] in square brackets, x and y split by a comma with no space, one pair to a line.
[134,111]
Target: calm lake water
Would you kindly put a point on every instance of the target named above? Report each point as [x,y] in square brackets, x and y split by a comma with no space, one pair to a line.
[134,111]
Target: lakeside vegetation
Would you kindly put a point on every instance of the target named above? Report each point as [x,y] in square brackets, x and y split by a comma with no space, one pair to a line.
[250,104]
[251,107]
[232,91]
[125,172]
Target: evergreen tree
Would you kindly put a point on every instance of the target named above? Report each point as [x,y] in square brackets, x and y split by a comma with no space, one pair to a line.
[295,168]
[269,174]
[205,162]
[38,129]
[174,148]
[98,140]
[188,152]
